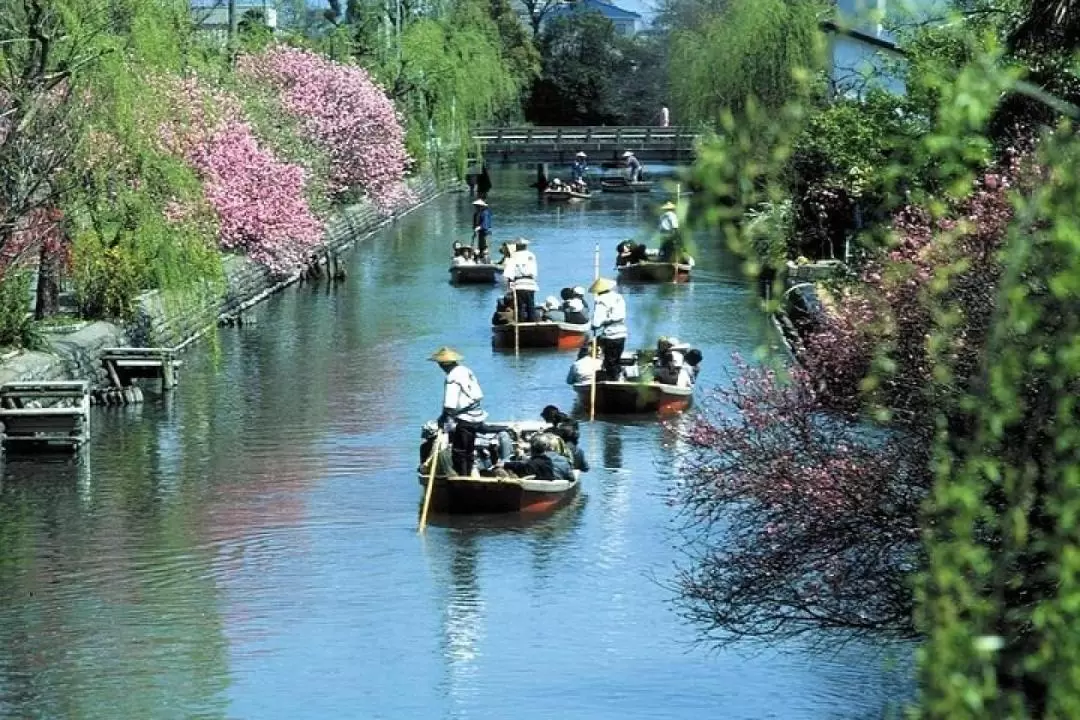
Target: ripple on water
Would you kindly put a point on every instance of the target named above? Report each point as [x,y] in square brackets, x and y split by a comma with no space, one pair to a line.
[247,547]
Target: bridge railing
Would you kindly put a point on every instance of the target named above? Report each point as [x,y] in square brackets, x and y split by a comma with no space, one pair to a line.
[635,135]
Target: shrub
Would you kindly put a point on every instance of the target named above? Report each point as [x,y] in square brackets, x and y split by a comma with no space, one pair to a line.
[17,328]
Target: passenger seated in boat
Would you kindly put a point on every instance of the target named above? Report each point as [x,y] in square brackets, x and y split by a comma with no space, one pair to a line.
[629,252]
[670,366]
[544,463]
[463,254]
[504,310]
[550,311]
[693,361]
[552,415]
[427,441]
[570,433]
[574,309]
[585,367]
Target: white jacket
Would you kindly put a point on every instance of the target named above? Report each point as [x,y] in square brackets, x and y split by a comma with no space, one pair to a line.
[520,271]
[669,221]
[462,395]
[582,370]
[609,316]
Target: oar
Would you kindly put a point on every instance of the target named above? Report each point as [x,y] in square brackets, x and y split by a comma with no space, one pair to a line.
[435,449]
[592,389]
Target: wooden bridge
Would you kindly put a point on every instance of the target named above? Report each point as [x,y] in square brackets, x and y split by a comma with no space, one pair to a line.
[602,143]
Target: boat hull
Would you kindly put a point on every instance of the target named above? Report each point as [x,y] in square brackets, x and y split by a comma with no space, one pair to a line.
[625,187]
[630,398]
[654,272]
[540,335]
[565,195]
[473,274]
[457,495]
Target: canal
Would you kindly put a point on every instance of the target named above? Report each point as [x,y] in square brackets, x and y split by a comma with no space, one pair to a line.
[247,548]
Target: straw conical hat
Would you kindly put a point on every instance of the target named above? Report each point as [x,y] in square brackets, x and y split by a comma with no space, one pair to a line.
[446,355]
[601,285]
[668,206]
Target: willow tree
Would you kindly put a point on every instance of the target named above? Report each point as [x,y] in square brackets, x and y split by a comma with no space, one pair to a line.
[759,48]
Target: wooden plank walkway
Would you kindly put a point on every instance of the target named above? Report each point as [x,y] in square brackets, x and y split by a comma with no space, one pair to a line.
[59,413]
[124,364]
[602,143]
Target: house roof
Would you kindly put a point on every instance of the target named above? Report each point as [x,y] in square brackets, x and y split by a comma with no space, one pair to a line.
[607,9]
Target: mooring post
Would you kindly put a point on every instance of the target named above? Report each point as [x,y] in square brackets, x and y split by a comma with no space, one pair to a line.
[168,376]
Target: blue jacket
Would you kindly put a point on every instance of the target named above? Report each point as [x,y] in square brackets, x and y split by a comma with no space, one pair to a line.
[482,219]
[578,170]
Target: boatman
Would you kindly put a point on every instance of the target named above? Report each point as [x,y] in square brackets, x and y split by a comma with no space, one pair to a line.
[482,226]
[671,244]
[609,326]
[520,272]
[633,167]
[462,415]
[579,168]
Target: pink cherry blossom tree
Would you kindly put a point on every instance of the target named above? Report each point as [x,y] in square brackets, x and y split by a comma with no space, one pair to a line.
[259,200]
[801,519]
[345,112]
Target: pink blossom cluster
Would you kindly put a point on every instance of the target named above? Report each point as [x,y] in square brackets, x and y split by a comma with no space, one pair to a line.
[341,109]
[41,228]
[259,200]
[813,513]
[891,308]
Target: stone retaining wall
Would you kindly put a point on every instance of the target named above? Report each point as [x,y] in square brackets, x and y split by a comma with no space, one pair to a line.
[175,322]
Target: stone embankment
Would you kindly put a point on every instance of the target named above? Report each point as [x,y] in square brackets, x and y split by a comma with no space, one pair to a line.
[177,322]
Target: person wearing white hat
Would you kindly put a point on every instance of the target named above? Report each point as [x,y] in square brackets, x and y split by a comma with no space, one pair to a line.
[670,366]
[579,168]
[633,167]
[520,272]
[574,309]
[461,415]
[482,227]
[669,231]
[609,326]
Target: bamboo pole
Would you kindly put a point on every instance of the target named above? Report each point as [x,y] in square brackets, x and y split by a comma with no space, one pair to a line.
[595,344]
[517,319]
[435,449]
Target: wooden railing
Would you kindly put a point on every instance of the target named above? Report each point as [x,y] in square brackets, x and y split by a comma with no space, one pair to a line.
[634,135]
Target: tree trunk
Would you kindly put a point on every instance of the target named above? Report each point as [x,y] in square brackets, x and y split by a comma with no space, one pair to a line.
[234,24]
[48,284]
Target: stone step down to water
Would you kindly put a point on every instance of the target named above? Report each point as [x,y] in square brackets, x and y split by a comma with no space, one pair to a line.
[45,413]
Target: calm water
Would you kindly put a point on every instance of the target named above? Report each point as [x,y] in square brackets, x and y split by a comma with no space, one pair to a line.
[248,548]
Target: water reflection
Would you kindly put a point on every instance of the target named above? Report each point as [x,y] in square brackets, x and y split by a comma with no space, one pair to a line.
[255,531]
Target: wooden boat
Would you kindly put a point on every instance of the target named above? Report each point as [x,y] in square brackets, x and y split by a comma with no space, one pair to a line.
[627,397]
[565,195]
[474,273]
[621,185]
[653,272]
[455,494]
[544,334]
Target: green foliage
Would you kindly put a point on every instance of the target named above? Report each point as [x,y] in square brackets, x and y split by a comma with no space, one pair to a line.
[455,66]
[123,241]
[998,594]
[766,49]
[587,73]
[17,328]
[454,75]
